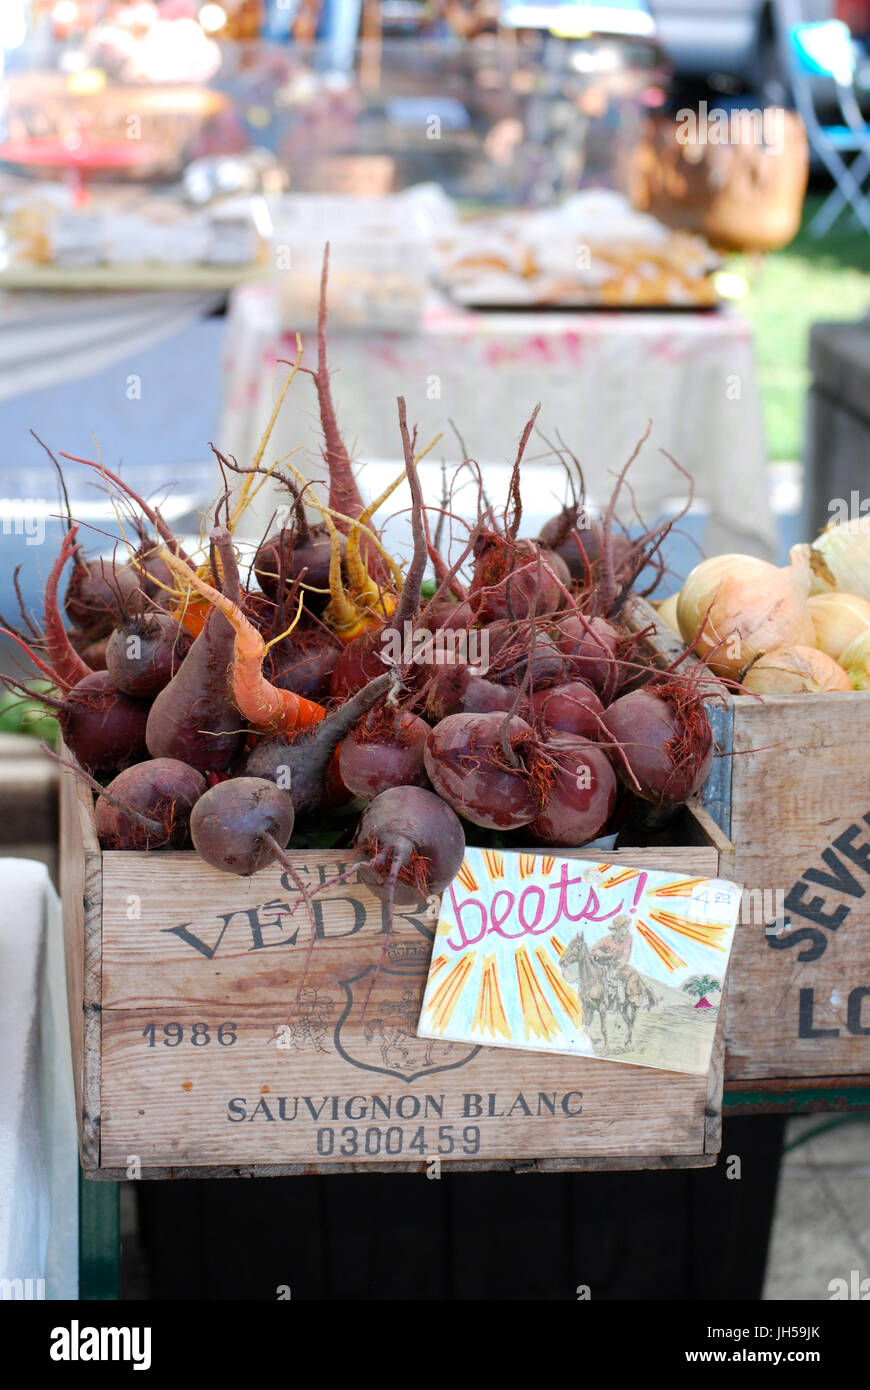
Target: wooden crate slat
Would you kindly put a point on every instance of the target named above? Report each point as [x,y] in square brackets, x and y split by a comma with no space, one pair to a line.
[256,1103]
[81,896]
[716,793]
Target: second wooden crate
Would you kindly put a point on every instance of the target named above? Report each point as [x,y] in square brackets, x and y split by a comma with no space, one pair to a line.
[790,791]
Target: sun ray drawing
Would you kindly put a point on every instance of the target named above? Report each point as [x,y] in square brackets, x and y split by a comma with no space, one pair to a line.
[489,1016]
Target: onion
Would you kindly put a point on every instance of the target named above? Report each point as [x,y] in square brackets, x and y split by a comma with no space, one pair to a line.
[855,661]
[838,619]
[667,611]
[840,558]
[795,671]
[735,607]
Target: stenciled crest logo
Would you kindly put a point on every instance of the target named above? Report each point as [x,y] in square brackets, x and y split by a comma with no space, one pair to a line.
[386,1039]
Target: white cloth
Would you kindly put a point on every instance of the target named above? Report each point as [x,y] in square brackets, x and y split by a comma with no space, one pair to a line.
[600,377]
[46,339]
[38,1143]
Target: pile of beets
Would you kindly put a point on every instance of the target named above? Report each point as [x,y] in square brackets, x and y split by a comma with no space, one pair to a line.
[324,690]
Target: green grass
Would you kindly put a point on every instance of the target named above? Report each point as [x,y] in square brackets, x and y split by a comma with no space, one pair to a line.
[812,280]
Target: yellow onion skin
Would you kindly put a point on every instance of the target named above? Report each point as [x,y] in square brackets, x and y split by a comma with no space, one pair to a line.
[795,670]
[840,558]
[745,606]
[667,611]
[838,619]
[855,661]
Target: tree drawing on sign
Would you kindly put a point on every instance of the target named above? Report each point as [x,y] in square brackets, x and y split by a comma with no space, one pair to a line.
[702,985]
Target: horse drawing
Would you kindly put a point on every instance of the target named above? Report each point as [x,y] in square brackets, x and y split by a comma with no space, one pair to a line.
[605,993]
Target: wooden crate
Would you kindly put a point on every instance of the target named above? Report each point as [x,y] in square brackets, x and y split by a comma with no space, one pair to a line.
[788,791]
[189,1059]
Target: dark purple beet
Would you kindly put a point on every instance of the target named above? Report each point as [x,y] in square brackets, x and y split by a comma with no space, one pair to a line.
[193,718]
[385,749]
[144,653]
[153,574]
[304,666]
[311,554]
[97,593]
[94,653]
[103,728]
[572,708]
[301,765]
[415,843]
[162,789]
[231,824]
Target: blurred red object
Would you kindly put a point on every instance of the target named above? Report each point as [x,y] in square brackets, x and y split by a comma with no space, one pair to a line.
[856,14]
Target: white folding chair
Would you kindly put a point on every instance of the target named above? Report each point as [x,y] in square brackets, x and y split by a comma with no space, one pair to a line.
[826,50]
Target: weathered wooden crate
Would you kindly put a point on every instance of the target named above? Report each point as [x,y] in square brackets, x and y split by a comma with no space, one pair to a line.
[791,794]
[190,1060]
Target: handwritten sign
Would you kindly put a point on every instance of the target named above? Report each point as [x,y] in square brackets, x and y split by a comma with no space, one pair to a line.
[598,960]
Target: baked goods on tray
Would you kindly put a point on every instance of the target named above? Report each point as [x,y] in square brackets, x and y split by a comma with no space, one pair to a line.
[592,250]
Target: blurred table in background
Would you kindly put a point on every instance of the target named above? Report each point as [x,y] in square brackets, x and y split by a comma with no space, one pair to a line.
[601,377]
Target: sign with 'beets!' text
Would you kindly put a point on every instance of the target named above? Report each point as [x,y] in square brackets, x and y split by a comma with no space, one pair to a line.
[601,960]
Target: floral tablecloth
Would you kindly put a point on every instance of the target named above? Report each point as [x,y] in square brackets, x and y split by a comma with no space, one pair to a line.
[600,378]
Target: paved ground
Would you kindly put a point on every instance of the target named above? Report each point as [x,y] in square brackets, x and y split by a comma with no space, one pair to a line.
[822,1225]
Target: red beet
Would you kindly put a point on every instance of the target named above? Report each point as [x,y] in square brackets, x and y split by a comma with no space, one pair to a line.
[461,690]
[104,728]
[385,749]
[484,765]
[509,655]
[580,796]
[163,791]
[144,653]
[532,589]
[358,662]
[662,742]
[573,708]
[592,645]
[63,655]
